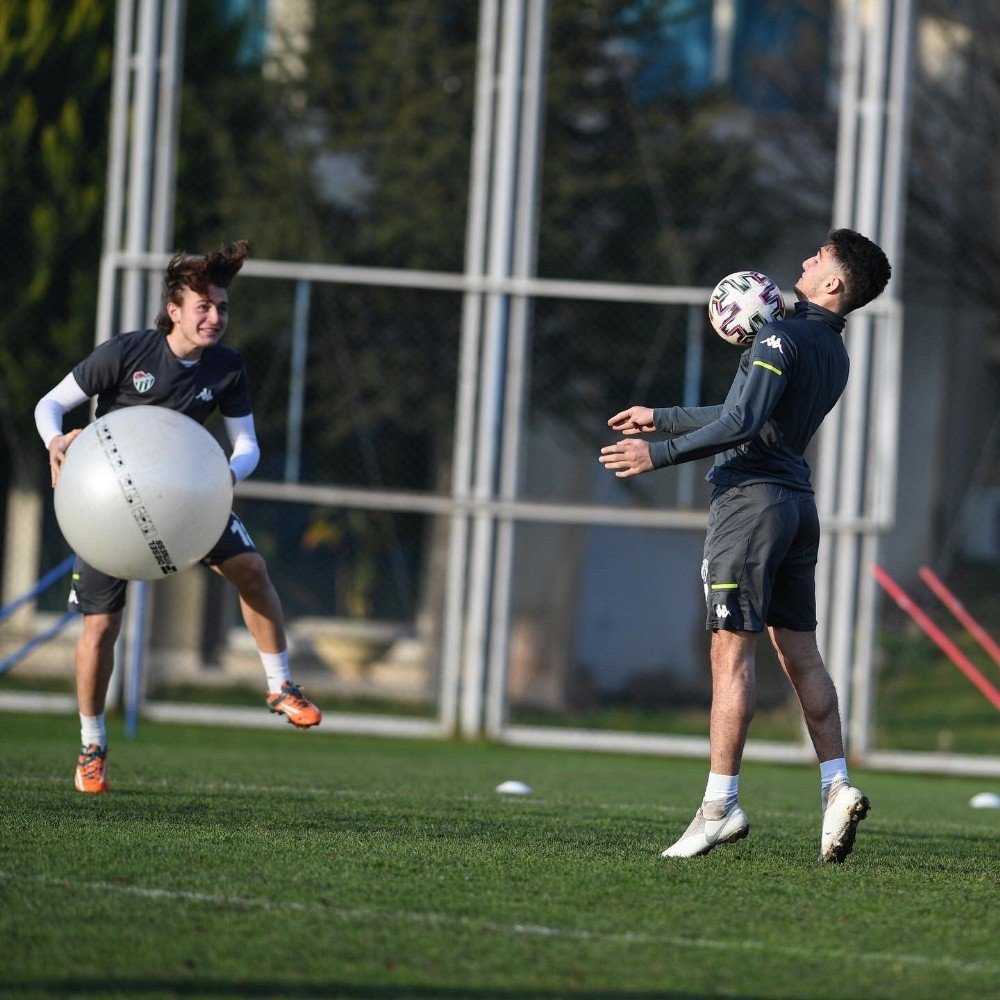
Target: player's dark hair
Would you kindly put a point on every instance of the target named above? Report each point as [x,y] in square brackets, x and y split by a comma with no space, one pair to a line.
[197,272]
[866,268]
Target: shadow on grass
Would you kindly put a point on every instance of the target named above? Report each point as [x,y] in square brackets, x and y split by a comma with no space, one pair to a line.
[210,987]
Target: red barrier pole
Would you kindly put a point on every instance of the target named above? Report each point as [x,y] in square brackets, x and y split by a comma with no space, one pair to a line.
[955,606]
[945,644]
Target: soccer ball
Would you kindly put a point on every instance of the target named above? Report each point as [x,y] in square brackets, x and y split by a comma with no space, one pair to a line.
[742,303]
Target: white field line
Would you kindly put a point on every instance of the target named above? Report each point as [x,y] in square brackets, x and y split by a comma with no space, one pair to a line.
[527,801]
[431,919]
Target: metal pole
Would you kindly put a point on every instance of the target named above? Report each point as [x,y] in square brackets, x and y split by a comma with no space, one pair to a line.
[831,431]
[137,614]
[858,397]
[886,390]
[137,223]
[492,370]
[723,31]
[167,116]
[164,176]
[117,159]
[297,381]
[465,408]
[518,357]
[693,364]
[892,225]
[137,239]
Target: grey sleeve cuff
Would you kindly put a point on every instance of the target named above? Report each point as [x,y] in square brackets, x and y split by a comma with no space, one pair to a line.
[659,453]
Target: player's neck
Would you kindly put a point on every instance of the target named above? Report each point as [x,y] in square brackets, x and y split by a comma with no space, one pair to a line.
[181,348]
[831,303]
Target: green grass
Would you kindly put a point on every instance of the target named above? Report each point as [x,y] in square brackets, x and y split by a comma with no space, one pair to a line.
[924,702]
[228,863]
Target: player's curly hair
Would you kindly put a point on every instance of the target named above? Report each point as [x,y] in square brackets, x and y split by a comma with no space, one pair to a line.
[197,272]
[866,267]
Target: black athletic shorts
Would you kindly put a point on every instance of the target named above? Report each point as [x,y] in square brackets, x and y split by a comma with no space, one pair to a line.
[760,559]
[95,593]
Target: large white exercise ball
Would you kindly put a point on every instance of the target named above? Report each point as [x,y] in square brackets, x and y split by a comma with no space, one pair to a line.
[143,492]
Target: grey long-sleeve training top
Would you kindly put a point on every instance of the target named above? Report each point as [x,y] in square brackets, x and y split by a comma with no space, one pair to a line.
[787,382]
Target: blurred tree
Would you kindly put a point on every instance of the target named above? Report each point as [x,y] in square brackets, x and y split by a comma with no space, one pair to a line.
[55,82]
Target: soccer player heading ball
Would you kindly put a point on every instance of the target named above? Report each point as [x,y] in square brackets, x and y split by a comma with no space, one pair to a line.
[759,567]
[181,364]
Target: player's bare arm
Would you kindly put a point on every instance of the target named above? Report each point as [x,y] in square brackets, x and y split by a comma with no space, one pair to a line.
[57,451]
[634,420]
[626,458]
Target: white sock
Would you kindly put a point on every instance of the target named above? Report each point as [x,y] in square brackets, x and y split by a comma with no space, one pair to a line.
[277,670]
[829,772]
[722,788]
[93,730]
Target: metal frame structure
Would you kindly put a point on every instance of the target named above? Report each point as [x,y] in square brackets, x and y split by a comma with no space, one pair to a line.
[498,288]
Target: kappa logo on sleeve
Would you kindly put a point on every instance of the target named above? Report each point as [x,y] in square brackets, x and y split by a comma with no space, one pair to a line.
[774,342]
[143,381]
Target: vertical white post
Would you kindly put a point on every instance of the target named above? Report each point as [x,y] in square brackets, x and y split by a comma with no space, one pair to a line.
[150,179]
[831,432]
[468,367]
[693,365]
[886,388]
[164,183]
[117,160]
[518,355]
[297,381]
[857,400]
[723,33]
[140,171]
[164,174]
[492,370]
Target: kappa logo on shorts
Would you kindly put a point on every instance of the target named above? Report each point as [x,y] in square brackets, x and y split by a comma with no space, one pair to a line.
[143,381]
[721,611]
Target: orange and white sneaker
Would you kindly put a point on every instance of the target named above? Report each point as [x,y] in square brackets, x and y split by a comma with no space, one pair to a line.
[91,768]
[291,703]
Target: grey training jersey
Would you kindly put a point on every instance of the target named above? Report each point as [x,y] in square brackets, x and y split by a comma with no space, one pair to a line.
[139,368]
[787,382]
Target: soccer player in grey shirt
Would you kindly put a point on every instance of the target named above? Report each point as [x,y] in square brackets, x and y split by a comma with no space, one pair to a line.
[760,554]
[181,364]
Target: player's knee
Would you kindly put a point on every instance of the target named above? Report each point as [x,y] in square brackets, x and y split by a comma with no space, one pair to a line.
[100,631]
[247,572]
[799,647]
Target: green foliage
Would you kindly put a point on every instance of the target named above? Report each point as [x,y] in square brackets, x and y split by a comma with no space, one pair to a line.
[55,72]
[229,863]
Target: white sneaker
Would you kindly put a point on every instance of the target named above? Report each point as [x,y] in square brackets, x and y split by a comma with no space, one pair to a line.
[846,807]
[712,825]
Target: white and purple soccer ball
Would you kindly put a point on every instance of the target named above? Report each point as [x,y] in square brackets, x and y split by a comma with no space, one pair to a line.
[743,302]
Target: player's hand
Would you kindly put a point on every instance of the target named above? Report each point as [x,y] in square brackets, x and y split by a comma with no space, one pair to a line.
[57,452]
[634,420]
[627,458]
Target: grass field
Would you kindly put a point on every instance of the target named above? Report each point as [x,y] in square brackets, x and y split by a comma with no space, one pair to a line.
[228,863]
